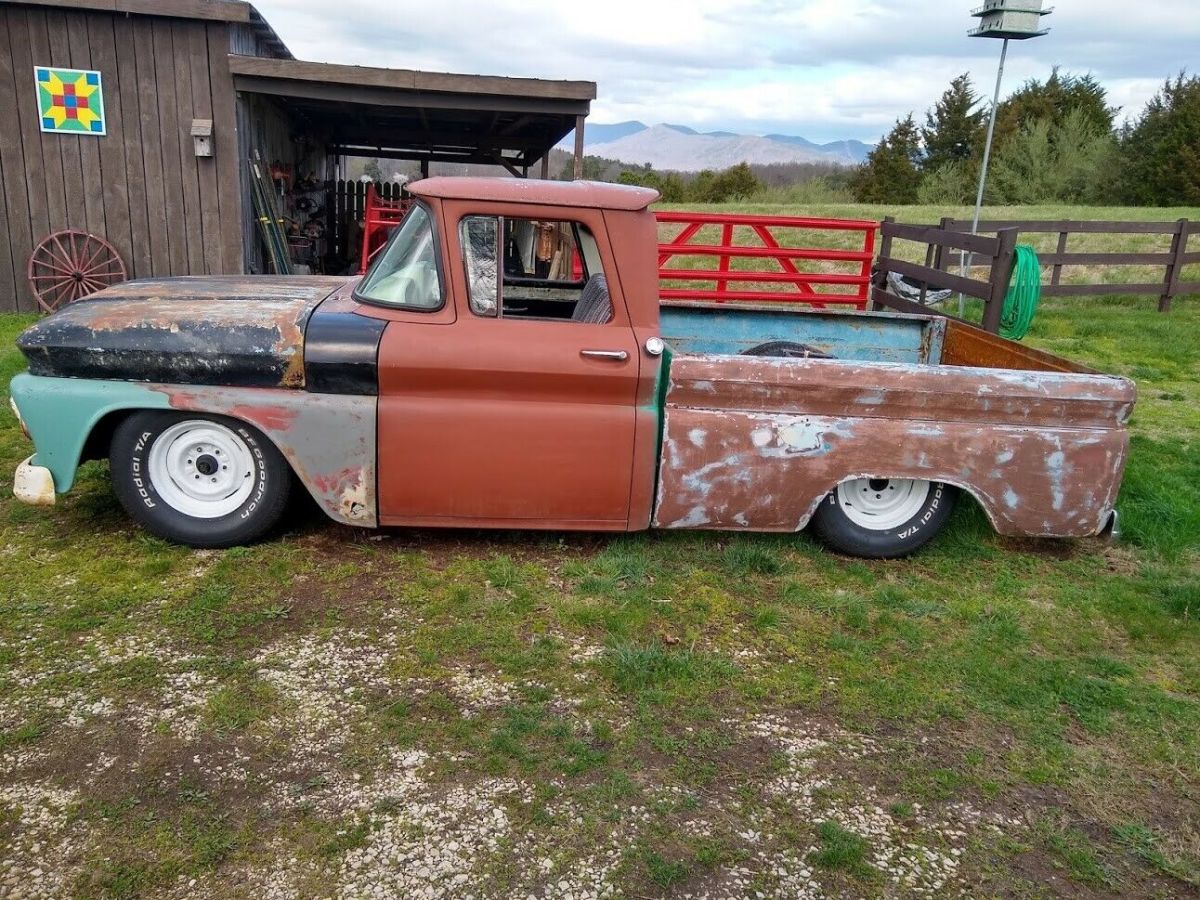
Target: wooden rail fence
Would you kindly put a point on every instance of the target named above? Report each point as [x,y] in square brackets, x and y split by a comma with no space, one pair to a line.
[1172,261]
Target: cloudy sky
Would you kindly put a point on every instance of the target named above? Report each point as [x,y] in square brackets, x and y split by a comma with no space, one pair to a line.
[824,69]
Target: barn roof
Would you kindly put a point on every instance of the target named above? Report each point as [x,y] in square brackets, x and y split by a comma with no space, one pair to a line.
[234,11]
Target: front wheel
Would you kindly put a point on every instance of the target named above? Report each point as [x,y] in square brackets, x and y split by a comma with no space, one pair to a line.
[883,518]
[200,480]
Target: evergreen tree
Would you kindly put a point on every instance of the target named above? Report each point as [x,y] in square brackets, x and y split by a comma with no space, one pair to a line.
[1052,161]
[1160,153]
[954,128]
[891,173]
[1051,101]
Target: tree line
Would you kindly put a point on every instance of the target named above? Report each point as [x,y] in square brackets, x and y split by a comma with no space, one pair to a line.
[1056,141]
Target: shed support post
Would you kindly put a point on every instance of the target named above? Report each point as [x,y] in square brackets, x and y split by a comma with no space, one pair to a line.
[546,166]
[424,168]
[578,172]
[1174,267]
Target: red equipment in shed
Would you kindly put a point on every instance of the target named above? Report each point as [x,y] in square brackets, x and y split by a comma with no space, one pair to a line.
[379,218]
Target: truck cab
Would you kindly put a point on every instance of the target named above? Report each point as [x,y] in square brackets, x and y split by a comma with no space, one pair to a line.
[514,374]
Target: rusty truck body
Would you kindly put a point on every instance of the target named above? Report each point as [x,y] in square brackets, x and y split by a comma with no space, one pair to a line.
[507,362]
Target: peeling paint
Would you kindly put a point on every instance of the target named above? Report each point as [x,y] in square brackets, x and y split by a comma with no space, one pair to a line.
[243,331]
[1043,452]
[328,439]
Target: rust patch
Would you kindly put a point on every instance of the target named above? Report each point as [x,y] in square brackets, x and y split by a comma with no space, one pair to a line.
[238,331]
[328,439]
[275,418]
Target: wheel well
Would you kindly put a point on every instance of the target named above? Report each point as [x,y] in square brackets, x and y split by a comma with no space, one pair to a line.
[965,489]
[99,439]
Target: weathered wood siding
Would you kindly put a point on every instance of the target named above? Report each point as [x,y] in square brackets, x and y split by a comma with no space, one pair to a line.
[140,186]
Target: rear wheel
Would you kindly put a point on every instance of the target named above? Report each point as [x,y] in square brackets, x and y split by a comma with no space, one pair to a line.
[200,480]
[883,518]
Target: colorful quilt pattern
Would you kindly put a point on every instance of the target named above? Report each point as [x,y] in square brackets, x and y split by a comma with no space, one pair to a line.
[70,101]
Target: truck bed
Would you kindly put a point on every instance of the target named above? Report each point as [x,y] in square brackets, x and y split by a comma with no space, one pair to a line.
[758,442]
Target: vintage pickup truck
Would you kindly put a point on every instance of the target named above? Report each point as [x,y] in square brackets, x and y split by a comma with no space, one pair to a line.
[506,362]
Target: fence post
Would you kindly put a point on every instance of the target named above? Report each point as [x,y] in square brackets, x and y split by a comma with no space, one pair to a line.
[885,251]
[1002,263]
[939,259]
[1174,267]
[1056,277]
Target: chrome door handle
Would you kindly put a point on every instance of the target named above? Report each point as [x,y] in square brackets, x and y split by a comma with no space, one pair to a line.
[619,355]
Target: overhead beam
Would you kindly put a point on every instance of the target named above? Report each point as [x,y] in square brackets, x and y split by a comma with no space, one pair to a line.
[487,159]
[366,136]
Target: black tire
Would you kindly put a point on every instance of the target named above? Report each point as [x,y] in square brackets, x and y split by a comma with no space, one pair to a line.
[129,455]
[839,532]
[787,349]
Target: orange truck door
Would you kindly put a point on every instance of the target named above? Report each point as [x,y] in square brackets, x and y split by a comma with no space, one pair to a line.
[503,421]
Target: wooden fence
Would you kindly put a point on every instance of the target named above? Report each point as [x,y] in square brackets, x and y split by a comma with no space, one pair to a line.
[1172,261]
[998,252]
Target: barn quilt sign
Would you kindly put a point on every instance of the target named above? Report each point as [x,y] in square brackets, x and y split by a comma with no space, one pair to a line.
[70,101]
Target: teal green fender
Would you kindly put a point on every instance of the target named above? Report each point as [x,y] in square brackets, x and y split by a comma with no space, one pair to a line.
[60,413]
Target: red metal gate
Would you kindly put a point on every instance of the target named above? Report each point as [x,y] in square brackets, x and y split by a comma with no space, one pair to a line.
[765,259]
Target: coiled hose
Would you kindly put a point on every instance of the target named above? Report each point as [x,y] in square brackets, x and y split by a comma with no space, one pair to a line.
[1024,291]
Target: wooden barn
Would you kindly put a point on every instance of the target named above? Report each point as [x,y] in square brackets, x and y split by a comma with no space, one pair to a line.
[143,122]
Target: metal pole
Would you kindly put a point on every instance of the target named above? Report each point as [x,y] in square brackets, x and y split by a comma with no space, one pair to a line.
[983,172]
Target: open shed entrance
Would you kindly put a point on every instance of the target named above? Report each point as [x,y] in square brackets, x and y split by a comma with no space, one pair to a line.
[303,121]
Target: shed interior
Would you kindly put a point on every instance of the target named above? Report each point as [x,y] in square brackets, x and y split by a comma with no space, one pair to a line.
[304,121]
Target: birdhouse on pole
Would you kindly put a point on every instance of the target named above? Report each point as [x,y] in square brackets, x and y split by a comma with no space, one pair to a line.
[1015,20]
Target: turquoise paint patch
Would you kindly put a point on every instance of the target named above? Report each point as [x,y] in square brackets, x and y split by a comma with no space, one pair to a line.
[60,413]
[858,336]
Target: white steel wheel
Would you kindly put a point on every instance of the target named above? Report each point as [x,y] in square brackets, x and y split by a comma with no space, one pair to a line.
[201,469]
[883,518]
[881,504]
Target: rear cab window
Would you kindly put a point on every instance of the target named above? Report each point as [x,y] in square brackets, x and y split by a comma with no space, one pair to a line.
[406,274]
[540,269]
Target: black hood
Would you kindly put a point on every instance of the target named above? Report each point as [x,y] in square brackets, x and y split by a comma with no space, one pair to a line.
[244,330]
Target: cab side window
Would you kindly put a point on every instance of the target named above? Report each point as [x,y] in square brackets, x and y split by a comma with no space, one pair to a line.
[534,269]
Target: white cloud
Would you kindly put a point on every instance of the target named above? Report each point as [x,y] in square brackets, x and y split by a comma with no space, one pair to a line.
[822,68]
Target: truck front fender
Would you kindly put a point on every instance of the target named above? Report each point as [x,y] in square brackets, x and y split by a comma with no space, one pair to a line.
[328,439]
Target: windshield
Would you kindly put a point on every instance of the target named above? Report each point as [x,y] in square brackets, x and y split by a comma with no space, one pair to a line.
[405,274]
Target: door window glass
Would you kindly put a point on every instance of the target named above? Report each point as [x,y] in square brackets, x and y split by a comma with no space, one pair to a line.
[534,269]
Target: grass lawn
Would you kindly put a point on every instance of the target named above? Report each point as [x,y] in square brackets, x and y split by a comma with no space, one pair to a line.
[509,715]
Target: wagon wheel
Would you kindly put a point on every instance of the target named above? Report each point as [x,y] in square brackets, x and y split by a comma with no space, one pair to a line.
[71,264]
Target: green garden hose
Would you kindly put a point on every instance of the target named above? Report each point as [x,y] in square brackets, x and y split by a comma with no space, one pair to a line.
[1024,291]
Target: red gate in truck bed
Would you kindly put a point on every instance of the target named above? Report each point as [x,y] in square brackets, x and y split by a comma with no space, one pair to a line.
[765,259]
[727,257]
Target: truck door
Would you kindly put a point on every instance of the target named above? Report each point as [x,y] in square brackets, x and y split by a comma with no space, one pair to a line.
[522,411]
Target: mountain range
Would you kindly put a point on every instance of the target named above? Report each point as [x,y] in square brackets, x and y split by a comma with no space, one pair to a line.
[684,149]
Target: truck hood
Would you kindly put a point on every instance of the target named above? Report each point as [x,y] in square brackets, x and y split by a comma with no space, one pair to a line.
[245,331]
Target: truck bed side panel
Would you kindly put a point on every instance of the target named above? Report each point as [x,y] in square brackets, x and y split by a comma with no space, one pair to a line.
[756,444]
